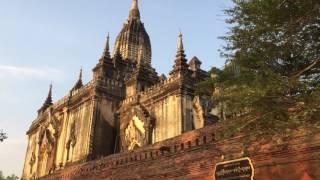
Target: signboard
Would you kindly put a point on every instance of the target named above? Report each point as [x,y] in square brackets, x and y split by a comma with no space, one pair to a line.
[239,169]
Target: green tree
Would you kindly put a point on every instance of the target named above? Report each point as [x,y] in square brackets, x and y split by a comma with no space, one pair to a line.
[273,63]
[207,85]
[1,175]
[12,177]
[3,136]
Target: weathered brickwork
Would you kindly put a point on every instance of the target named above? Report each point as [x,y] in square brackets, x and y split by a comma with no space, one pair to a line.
[193,155]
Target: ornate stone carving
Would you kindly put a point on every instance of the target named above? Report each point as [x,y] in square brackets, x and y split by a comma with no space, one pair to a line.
[47,142]
[48,134]
[136,129]
[47,147]
[32,161]
[202,107]
[72,137]
[54,122]
[135,133]
[198,113]
[71,141]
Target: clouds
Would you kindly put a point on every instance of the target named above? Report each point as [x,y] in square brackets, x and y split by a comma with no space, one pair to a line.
[33,73]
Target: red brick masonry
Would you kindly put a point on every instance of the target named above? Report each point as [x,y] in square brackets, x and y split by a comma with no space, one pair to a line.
[193,155]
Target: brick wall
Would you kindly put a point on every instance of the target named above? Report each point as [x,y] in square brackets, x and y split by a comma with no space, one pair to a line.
[193,155]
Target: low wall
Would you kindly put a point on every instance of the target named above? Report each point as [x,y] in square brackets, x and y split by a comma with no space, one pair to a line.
[194,155]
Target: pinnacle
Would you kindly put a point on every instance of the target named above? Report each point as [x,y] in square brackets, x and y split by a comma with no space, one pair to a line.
[134,11]
[134,4]
[106,52]
[181,61]
[180,49]
[49,98]
[80,74]
[180,42]
[79,83]
[48,102]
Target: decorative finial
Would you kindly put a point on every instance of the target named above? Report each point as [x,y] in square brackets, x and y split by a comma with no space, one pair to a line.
[180,42]
[181,61]
[79,83]
[134,11]
[49,98]
[80,74]
[48,102]
[106,52]
[134,4]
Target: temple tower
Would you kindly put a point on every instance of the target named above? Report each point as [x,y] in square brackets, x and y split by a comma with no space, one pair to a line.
[133,41]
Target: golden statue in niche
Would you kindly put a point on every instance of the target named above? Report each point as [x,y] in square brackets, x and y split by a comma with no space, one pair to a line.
[135,133]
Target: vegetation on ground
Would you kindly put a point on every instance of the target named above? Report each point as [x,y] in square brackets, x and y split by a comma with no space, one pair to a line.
[12,177]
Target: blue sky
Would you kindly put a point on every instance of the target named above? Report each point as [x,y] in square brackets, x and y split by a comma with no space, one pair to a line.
[45,40]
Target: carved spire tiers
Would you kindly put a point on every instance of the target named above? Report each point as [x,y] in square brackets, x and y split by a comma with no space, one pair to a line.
[48,102]
[105,66]
[49,97]
[181,61]
[106,52]
[132,37]
[79,83]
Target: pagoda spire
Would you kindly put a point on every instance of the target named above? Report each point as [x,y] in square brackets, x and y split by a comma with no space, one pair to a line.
[134,4]
[79,83]
[180,42]
[106,52]
[181,61]
[180,50]
[48,102]
[134,11]
[49,97]
[80,75]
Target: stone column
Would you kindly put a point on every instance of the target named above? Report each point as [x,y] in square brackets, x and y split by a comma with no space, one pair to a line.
[93,119]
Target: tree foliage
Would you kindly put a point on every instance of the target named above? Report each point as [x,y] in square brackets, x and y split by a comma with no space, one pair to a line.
[3,136]
[12,177]
[272,72]
[208,84]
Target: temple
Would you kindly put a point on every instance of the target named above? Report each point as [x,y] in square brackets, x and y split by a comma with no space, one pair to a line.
[125,106]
